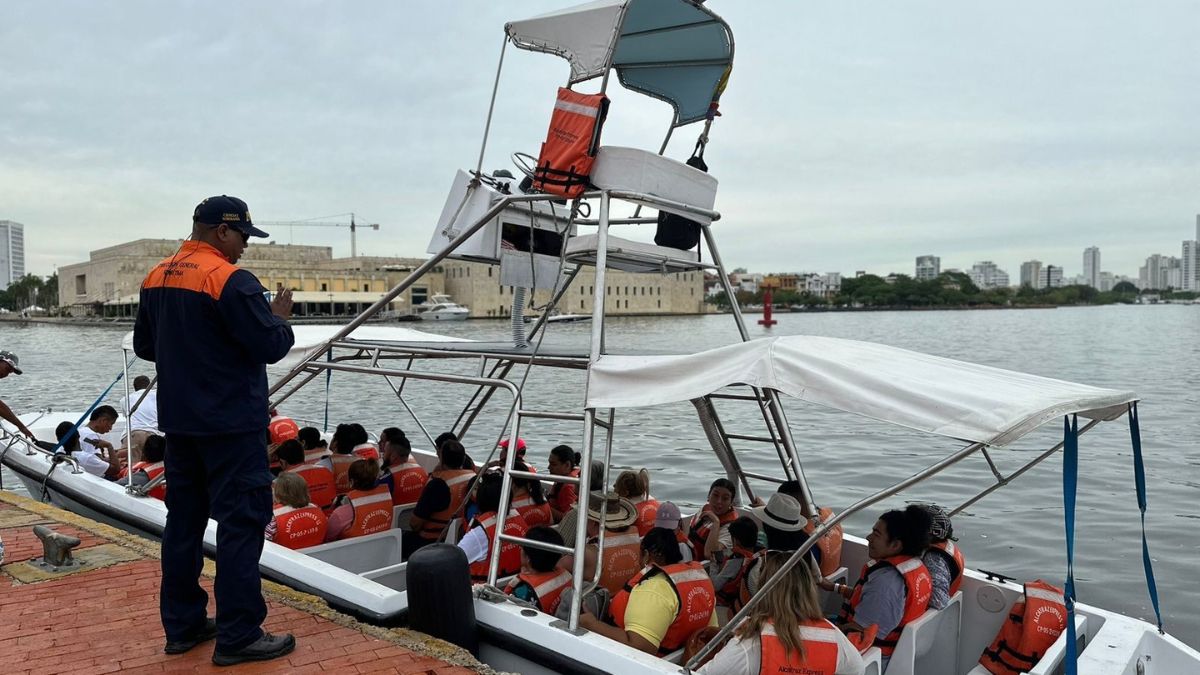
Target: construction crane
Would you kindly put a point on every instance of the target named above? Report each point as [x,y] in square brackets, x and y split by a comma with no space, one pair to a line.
[320,222]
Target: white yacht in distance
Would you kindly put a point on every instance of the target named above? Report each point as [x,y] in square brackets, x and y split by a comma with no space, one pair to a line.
[441,308]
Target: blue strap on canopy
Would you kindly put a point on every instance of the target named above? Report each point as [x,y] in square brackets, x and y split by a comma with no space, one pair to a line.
[1139,478]
[1070,481]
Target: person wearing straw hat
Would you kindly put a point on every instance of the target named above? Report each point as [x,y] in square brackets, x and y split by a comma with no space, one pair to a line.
[783,523]
[9,366]
[615,517]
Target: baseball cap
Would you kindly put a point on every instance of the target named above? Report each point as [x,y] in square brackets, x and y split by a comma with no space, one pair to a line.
[226,210]
[12,360]
[520,444]
[667,516]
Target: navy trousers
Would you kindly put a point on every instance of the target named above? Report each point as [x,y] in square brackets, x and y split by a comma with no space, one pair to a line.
[224,477]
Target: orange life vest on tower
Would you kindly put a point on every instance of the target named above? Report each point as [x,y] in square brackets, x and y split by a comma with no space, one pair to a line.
[510,553]
[820,643]
[647,512]
[566,159]
[692,587]
[698,532]
[322,489]
[458,480]
[372,511]
[621,560]
[341,464]
[954,558]
[830,544]
[918,588]
[534,514]
[408,480]
[547,587]
[282,429]
[299,528]
[153,470]
[1032,626]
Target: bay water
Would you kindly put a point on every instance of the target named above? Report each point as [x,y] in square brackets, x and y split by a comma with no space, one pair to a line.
[1018,531]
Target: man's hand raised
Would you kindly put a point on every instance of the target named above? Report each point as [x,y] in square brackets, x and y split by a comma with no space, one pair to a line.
[281,304]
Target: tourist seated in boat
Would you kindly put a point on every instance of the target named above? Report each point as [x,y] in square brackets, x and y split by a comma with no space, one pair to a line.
[143,422]
[635,486]
[528,499]
[298,523]
[728,569]
[894,586]
[944,559]
[521,449]
[441,499]
[315,448]
[541,581]
[366,508]
[828,549]
[612,517]
[668,517]
[709,531]
[281,428]
[477,542]
[350,442]
[451,436]
[154,451]
[563,461]
[322,489]
[96,455]
[404,477]
[782,524]
[785,631]
[663,604]
[570,518]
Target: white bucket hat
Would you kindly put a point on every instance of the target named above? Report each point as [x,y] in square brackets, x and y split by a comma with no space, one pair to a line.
[782,512]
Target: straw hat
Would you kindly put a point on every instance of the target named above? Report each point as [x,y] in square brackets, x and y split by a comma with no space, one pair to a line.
[782,512]
[620,512]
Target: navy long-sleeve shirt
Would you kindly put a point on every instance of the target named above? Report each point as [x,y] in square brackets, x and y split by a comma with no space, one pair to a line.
[207,326]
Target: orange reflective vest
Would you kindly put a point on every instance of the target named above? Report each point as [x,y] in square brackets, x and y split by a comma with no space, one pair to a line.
[830,544]
[647,512]
[322,488]
[299,528]
[372,511]
[458,480]
[698,532]
[621,560]
[534,514]
[693,589]
[341,464]
[510,553]
[563,495]
[282,429]
[566,159]
[408,480]
[743,585]
[153,470]
[315,455]
[954,558]
[819,641]
[918,588]
[366,451]
[730,594]
[547,587]
[1032,626]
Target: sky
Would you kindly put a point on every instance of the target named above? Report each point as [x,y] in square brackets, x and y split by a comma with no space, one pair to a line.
[853,136]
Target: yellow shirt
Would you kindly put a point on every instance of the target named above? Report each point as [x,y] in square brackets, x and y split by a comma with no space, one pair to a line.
[652,609]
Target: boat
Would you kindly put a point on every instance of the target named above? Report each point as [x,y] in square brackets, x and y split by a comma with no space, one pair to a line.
[749,381]
[441,308]
[561,317]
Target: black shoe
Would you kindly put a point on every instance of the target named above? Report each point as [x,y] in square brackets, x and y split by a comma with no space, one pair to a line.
[265,648]
[208,632]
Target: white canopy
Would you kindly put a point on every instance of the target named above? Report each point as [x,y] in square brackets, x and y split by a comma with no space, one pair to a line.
[584,35]
[927,393]
[310,338]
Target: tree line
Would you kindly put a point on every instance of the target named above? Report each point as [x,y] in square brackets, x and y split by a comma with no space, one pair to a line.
[31,291]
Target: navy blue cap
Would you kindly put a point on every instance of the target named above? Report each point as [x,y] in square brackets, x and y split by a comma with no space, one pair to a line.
[226,210]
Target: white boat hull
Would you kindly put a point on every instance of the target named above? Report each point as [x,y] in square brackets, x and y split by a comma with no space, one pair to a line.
[445,315]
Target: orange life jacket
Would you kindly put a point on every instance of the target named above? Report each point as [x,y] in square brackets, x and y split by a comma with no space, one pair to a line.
[408,480]
[299,528]
[1032,626]
[366,451]
[510,553]
[458,480]
[322,488]
[743,585]
[372,511]
[830,544]
[566,159]
[563,495]
[730,594]
[698,532]
[153,470]
[547,587]
[315,455]
[621,560]
[693,589]
[282,429]
[647,512]
[533,513]
[918,588]
[820,644]
[954,558]
[341,464]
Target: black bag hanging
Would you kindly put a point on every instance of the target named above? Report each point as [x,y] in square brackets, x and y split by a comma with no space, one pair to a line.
[674,230]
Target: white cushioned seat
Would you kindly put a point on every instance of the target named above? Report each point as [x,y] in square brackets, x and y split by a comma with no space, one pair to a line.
[631,256]
[636,170]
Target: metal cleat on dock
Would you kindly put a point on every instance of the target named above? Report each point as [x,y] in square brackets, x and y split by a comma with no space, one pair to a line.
[56,549]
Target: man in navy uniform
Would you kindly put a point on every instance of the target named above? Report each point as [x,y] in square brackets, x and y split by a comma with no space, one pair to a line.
[209,329]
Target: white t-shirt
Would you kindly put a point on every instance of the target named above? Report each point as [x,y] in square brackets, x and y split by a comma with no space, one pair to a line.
[88,455]
[743,657]
[145,418]
[475,544]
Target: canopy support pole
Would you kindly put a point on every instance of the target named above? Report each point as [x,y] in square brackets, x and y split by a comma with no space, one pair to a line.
[725,285]
[487,126]
[128,423]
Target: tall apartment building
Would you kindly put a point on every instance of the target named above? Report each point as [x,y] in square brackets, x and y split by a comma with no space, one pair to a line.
[12,252]
[1160,273]
[1091,266]
[985,274]
[928,267]
[1051,276]
[1189,264]
[1031,274]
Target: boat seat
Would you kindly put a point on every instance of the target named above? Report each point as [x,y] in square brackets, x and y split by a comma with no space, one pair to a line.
[401,515]
[873,660]
[1052,661]
[645,172]
[929,645]
[632,256]
[831,602]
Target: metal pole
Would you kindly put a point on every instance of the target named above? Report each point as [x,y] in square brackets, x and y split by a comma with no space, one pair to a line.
[128,424]
[733,303]
[487,126]
[785,434]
